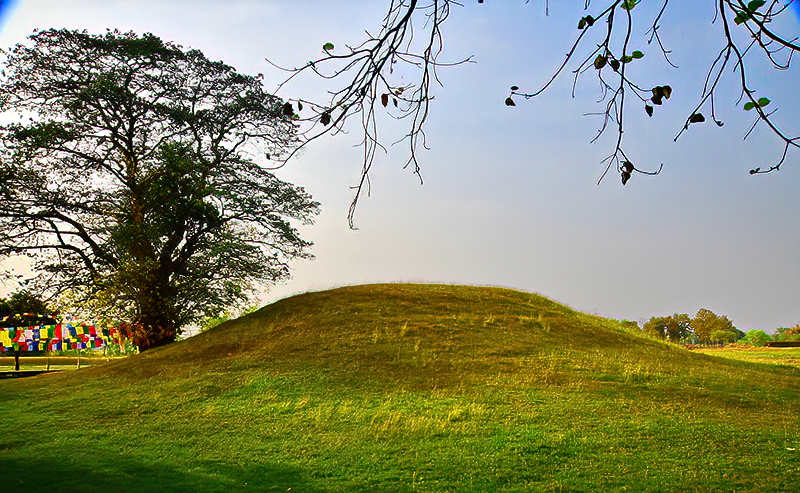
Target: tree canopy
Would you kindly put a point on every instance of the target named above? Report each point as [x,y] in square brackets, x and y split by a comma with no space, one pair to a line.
[137,173]
[756,338]
[709,327]
[674,327]
[395,70]
[22,302]
[788,333]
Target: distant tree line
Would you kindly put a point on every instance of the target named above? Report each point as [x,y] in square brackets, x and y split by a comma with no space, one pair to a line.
[706,327]
[787,333]
[759,338]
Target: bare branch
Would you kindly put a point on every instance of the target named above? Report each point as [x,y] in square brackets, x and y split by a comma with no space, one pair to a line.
[368,71]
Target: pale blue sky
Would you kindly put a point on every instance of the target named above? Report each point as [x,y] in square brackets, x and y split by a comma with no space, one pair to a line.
[510,197]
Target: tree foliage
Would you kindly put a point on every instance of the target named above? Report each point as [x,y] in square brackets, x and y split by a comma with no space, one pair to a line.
[722,336]
[22,302]
[394,70]
[706,323]
[137,173]
[756,338]
[788,333]
[706,326]
[675,327]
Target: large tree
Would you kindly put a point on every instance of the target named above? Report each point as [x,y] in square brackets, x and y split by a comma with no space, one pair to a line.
[137,172]
[706,323]
[395,66]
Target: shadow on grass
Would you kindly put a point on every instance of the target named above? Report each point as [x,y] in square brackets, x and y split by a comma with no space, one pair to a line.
[62,474]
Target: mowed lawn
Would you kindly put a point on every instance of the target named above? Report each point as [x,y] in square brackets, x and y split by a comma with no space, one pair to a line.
[407,388]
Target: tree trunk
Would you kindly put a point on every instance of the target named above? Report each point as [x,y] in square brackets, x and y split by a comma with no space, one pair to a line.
[155,325]
[152,330]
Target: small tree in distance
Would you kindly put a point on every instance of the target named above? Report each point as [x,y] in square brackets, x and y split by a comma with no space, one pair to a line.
[788,333]
[137,174]
[705,323]
[720,337]
[756,338]
[675,328]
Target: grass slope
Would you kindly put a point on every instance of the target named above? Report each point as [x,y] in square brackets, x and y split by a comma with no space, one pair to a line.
[407,388]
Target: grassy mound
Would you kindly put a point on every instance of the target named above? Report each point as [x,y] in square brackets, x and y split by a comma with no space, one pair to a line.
[407,388]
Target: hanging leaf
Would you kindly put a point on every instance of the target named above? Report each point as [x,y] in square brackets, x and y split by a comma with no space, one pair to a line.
[288,110]
[586,21]
[628,166]
[648,109]
[697,118]
[299,106]
[325,118]
[660,92]
[625,177]
[629,4]
[600,62]
[384,99]
[328,46]
[614,64]
[394,100]
[741,17]
[510,102]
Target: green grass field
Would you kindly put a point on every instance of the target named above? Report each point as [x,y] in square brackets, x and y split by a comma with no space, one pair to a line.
[407,388]
[54,363]
[779,356]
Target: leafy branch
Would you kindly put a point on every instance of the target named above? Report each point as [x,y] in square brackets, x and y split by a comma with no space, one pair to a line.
[368,70]
[365,75]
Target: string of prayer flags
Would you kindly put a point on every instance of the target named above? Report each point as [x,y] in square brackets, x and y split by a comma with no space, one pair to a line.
[56,337]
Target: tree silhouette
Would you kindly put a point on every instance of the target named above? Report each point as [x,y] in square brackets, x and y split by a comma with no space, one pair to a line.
[137,174]
[362,78]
